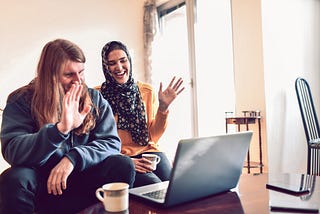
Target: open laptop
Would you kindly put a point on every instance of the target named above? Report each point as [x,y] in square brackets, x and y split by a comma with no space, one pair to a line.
[202,167]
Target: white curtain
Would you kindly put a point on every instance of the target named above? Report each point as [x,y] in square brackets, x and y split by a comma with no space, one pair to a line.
[150,20]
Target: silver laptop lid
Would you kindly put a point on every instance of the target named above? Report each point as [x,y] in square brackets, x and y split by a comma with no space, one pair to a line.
[206,166]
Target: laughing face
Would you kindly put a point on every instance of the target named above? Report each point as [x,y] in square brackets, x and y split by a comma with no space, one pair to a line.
[119,65]
[71,73]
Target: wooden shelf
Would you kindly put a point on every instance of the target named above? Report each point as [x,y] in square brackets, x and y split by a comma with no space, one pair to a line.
[246,120]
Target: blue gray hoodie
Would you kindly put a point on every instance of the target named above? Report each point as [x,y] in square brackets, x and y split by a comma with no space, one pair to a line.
[23,145]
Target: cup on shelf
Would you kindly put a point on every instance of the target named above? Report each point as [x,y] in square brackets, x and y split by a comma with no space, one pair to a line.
[255,113]
[229,114]
[246,113]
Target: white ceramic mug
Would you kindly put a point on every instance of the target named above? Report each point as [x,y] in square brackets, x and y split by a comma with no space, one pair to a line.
[154,158]
[115,196]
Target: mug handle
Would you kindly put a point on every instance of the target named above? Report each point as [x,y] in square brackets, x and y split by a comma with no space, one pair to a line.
[98,194]
[158,159]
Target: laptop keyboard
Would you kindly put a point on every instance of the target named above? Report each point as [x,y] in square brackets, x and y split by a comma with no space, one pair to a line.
[158,194]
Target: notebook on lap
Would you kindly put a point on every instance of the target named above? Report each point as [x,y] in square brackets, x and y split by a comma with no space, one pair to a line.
[202,167]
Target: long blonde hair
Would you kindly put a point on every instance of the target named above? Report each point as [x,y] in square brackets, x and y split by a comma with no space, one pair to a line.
[47,89]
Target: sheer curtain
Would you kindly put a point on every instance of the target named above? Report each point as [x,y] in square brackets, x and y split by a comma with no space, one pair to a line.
[150,20]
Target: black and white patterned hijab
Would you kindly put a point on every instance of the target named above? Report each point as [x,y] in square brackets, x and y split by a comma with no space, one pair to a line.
[125,99]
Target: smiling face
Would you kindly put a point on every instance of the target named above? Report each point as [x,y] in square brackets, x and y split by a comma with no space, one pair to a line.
[72,73]
[119,65]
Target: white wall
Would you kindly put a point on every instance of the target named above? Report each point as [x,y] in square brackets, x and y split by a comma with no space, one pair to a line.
[291,49]
[26,26]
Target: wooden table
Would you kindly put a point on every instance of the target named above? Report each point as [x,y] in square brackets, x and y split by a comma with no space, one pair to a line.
[250,197]
[246,120]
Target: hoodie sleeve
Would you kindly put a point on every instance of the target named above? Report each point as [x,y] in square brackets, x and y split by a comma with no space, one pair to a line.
[102,142]
[23,144]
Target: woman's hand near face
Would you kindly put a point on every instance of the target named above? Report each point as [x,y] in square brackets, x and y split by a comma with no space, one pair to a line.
[142,165]
[71,118]
[167,96]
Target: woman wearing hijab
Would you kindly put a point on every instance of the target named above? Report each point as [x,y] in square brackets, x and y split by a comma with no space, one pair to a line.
[141,118]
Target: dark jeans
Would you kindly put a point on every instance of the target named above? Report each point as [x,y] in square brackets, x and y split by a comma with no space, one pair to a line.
[162,173]
[24,190]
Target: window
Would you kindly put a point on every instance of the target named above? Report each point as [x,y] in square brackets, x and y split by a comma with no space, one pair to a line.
[170,58]
[206,40]
[214,65]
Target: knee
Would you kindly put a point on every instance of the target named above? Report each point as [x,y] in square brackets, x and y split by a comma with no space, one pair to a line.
[122,167]
[122,162]
[142,179]
[18,187]
[17,178]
